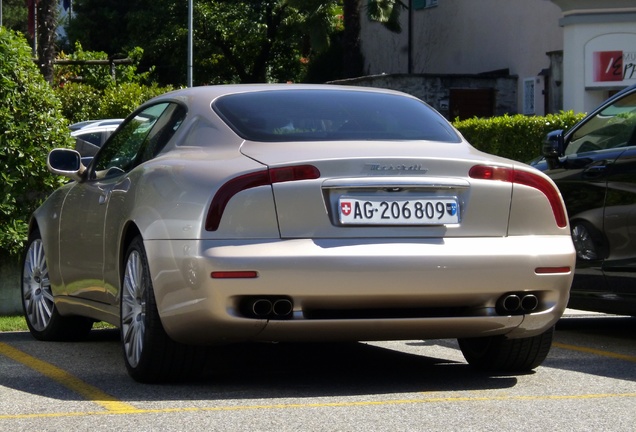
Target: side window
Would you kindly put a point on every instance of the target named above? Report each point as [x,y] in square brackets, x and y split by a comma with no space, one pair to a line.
[611,128]
[162,131]
[138,140]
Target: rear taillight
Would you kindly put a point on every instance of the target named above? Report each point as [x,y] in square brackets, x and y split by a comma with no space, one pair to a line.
[252,180]
[486,172]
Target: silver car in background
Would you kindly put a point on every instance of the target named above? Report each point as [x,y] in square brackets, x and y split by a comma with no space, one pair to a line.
[91,135]
[226,214]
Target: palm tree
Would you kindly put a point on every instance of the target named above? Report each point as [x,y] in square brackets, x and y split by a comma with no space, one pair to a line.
[386,12]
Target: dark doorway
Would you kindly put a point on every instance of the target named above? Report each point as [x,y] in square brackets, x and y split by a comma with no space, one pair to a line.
[469,103]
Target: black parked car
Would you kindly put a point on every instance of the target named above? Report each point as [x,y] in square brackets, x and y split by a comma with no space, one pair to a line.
[594,166]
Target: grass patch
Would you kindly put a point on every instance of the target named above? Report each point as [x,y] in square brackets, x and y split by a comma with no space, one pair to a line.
[12,323]
[18,323]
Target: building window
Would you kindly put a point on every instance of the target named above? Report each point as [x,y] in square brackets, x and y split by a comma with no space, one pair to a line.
[424,4]
[528,96]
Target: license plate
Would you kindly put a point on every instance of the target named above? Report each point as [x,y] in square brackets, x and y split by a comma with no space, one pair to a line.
[395,211]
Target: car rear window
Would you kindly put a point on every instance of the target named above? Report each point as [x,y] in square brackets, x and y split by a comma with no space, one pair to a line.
[328,115]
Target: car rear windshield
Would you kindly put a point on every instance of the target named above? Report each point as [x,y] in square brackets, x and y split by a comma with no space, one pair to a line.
[328,115]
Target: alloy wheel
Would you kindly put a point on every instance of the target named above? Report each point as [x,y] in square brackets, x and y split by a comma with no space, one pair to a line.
[36,287]
[583,242]
[133,309]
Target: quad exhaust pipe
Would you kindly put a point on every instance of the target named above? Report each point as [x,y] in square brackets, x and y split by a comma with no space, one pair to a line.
[269,308]
[517,303]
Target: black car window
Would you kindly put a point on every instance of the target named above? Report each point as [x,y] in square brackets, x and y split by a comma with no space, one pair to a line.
[94,138]
[138,140]
[613,127]
[326,115]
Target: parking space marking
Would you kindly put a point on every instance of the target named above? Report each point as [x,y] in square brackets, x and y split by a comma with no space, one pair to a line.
[113,406]
[64,378]
[464,399]
[595,351]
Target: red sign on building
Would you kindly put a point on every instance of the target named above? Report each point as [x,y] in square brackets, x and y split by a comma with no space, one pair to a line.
[608,66]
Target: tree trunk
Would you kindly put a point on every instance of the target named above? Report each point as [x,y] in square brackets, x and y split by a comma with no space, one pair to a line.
[47,26]
[353,61]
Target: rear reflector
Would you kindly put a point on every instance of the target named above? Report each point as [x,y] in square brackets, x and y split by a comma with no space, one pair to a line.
[526,178]
[234,274]
[252,180]
[552,270]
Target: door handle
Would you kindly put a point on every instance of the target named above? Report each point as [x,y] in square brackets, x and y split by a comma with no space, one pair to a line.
[104,197]
[595,170]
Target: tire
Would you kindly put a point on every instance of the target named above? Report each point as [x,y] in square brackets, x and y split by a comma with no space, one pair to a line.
[149,353]
[588,241]
[43,319]
[498,354]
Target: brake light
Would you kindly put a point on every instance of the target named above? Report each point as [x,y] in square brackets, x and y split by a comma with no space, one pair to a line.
[252,180]
[486,172]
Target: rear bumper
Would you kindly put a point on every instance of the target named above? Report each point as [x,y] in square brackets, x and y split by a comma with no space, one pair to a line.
[359,290]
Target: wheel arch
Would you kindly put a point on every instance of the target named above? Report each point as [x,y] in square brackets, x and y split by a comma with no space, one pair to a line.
[130,231]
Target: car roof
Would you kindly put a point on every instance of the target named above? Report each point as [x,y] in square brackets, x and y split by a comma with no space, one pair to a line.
[209,93]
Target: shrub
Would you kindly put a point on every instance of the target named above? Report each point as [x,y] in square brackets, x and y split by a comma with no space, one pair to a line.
[83,102]
[99,95]
[31,124]
[79,101]
[516,137]
[121,100]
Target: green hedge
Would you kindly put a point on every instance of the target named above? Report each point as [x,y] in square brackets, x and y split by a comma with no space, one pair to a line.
[515,137]
[31,124]
[83,102]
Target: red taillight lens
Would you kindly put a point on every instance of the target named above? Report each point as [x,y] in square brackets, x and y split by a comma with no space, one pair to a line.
[486,172]
[252,180]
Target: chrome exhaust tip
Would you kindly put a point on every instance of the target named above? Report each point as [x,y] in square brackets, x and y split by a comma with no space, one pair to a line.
[529,302]
[511,303]
[282,307]
[261,307]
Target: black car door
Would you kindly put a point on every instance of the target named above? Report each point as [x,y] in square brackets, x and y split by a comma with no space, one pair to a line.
[619,226]
[596,178]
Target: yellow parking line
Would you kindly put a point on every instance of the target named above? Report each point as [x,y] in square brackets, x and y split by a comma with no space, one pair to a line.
[325,405]
[69,381]
[595,351]
[114,406]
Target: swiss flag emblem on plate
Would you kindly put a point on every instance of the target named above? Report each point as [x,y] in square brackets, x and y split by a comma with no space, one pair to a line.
[345,207]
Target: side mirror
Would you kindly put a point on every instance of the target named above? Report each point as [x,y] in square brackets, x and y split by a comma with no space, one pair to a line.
[66,162]
[553,148]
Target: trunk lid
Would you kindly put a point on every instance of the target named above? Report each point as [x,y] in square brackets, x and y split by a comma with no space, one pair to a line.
[385,189]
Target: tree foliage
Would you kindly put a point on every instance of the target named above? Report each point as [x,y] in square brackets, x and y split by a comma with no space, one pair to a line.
[14,15]
[31,124]
[234,41]
[99,76]
[386,12]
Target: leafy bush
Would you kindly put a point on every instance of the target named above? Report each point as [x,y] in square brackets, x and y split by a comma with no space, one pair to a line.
[121,100]
[89,91]
[83,102]
[99,76]
[79,101]
[516,137]
[31,124]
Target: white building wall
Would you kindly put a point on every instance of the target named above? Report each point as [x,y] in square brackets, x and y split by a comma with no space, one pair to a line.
[470,37]
[579,93]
